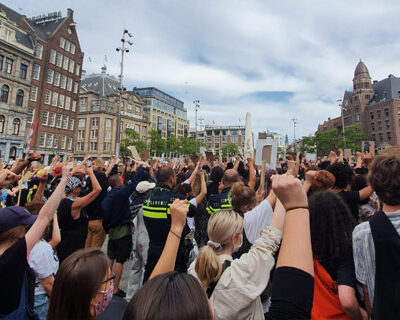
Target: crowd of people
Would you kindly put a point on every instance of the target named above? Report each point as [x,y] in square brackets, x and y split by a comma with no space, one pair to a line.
[205,239]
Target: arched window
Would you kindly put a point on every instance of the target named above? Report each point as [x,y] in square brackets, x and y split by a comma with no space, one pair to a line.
[20,97]
[4,93]
[13,153]
[2,123]
[16,126]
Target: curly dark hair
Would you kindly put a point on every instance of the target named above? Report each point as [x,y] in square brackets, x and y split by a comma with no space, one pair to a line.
[331,225]
[342,173]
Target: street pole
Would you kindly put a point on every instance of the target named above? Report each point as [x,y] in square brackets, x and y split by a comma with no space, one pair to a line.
[342,113]
[123,49]
[294,132]
[196,107]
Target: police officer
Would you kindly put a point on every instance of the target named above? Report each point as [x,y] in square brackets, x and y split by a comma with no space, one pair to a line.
[156,215]
[221,200]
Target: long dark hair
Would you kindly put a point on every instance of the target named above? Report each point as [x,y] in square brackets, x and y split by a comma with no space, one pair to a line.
[169,296]
[77,281]
[331,225]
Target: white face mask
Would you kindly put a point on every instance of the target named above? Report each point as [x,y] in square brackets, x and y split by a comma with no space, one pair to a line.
[237,247]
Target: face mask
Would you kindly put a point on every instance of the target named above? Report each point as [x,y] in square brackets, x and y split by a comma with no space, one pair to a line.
[102,304]
[237,247]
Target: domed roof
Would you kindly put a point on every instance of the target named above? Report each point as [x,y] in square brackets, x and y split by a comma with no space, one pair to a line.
[361,70]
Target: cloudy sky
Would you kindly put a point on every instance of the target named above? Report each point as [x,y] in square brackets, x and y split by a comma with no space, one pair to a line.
[275,59]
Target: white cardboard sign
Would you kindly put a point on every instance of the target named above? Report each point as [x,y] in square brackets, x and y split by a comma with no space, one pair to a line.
[273,152]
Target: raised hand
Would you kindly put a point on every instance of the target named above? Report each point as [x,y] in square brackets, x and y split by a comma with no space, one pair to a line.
[289,191]
[8,177]
[179,210]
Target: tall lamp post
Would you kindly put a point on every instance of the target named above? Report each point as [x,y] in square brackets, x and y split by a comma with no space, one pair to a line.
[294,132]
[196,107]
[342,109]
[123,49]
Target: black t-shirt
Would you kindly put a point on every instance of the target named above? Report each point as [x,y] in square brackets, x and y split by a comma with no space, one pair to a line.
[212,188]
[344,273]
[351,198]
[13,265]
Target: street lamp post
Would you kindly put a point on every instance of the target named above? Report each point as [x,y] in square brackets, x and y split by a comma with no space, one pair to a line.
[196,107]
[294,132]
[123,49]
[342,109]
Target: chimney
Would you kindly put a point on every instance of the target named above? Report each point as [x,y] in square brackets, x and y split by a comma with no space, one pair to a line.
[103,70]
[70,13]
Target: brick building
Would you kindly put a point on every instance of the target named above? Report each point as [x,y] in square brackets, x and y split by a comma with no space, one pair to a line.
[97,116]
[55,80]
[16,60]
[374,105]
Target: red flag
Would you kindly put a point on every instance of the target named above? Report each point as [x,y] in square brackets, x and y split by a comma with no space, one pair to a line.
[32,133]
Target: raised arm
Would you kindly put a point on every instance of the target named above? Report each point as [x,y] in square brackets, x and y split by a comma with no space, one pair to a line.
[55,235]
[252,174]
[166,262]
[8,177]
[237,162]
[47,212]
[310,176]
[40,190]
[196,169]
[20,164]
[203,189]
[84,201]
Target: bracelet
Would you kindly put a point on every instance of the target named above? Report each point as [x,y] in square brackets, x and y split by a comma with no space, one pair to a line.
[300,207]
[175,234]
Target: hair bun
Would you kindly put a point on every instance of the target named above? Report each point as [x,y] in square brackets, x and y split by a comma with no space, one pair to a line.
[215,245]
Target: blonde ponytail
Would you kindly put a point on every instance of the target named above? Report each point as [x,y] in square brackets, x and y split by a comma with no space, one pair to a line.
[221,227]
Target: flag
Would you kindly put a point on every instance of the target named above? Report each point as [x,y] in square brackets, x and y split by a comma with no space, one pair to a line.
[31,136]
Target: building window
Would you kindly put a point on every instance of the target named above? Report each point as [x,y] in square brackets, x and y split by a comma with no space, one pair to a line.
[72,49]
[69,84]
[33,94]
[93,146]
[386,112]
[61,101]
[357,118]
[52,119]
[71,66]
[378,113]
[38,50]
[53,56]
[58,121]
[387,124]
[42,140]
[1,61]
[75,87]
[16,126]
[81,134]
[55,144]
[67,45]
[372,115]
[8,65]
[82,123]
[54,99]
[31,115]
[62,42]
[49,140]
[59,60]
[108,123]
[67,103]
[94,133]
[50,74]
[65,122]
[2,123]
[23,70]
[72,124]
[78,70]
[95,122]
[69,143]
[19,100]
[45,118]
[73,105]
[47,97]
[57,76]
[4,93]
[107,146]
[63,142]
[79,146]
[65,63]
[36,72]
[107,134]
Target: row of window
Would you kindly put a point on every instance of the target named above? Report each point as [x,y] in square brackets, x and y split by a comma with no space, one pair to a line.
[50,140]
[67,46]
[4,95]
[57,120]
[94,134]
[387,123]
[94,122]
[378,114]
[59,100]
[16,125]
[64,62]
[380,136]
[6,65]
[93,146]
[59,80]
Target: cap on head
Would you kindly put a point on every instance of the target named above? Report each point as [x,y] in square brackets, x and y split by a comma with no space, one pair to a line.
[145,186]
[14,216]
[73,182]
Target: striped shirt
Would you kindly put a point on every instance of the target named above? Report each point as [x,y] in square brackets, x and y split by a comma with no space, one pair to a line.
[364,253]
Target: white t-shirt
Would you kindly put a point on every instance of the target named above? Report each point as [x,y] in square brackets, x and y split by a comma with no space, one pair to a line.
[257,220]
[43,262]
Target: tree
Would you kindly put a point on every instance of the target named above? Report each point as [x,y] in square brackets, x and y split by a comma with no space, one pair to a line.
[230,150]
[157,144]
[132,138]
[307,144]
[172,145]
[354,136]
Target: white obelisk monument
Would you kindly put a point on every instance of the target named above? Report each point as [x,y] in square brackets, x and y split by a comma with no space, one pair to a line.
[248,138]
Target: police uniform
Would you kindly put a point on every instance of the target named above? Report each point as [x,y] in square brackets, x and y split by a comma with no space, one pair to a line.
[157,218]
[219,201]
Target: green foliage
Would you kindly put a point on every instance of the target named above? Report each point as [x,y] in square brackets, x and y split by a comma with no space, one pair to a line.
[132,138]
[230,150]
[157,144]
[329,140]
[307,144]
